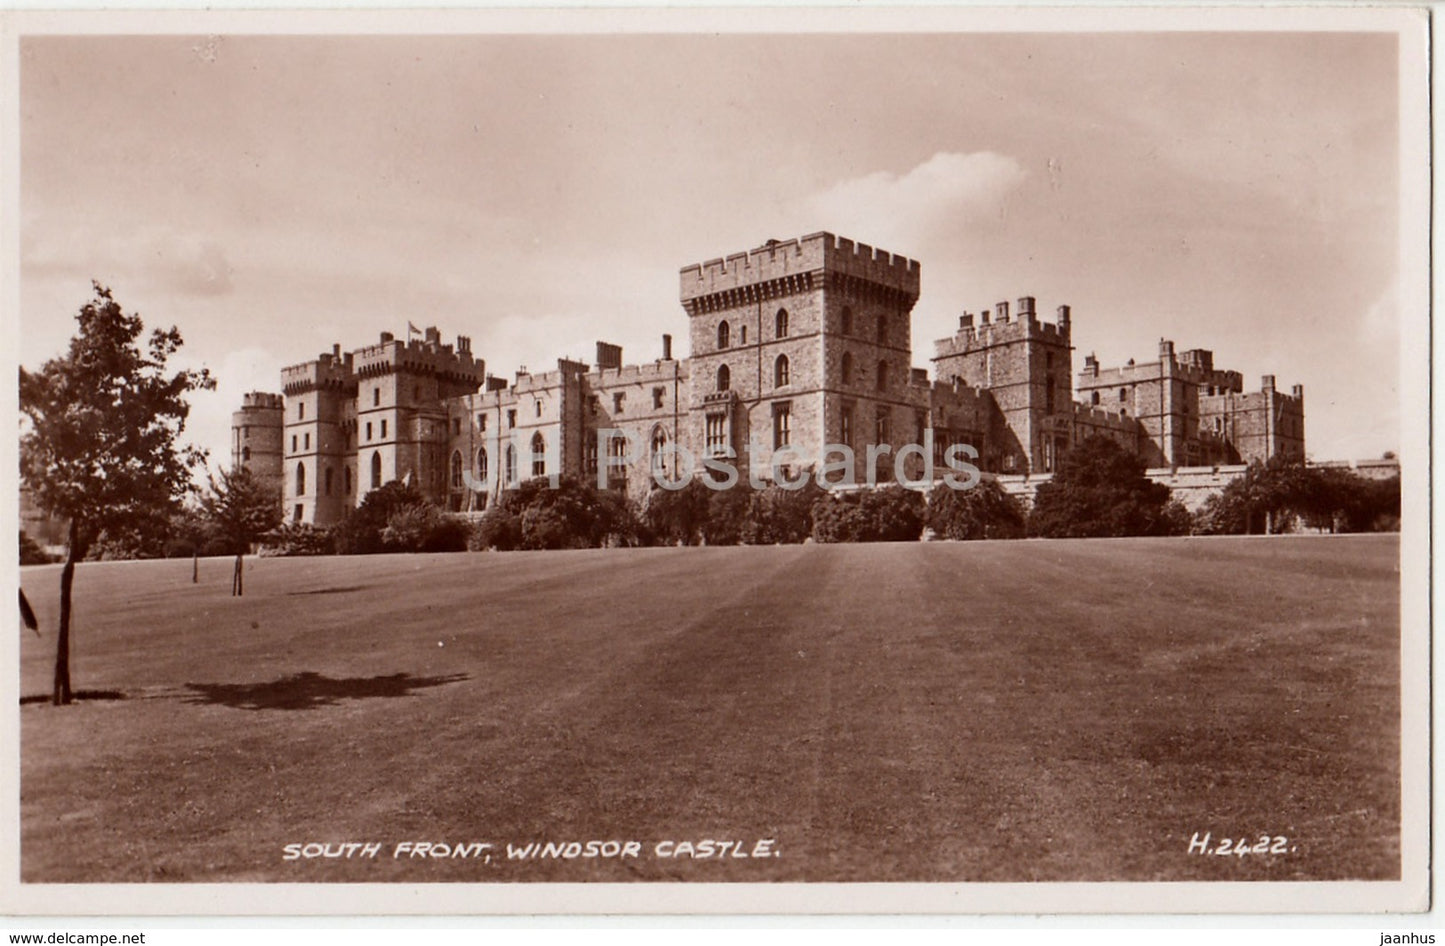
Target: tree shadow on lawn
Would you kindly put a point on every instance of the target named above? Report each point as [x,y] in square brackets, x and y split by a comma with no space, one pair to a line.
[302,691]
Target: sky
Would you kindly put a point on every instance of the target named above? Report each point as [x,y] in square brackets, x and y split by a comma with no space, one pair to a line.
[271,196]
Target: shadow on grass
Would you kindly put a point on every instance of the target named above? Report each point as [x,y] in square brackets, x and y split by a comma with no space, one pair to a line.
[338,590]
[76,696]
[309,690]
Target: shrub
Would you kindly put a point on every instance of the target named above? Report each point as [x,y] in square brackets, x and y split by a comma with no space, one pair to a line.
[571,516]
[1099,489]
[986,511]
[299,538]
[887,514]
[361,532]
[31,553]
[781,516]
[680,516]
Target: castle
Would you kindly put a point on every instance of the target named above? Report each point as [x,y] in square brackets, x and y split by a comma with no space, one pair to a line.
[792,345]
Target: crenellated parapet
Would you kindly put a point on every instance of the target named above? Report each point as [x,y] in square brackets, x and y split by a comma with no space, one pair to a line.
[426,356]
[328,372]
[786,267]
[262,400]
[998,327]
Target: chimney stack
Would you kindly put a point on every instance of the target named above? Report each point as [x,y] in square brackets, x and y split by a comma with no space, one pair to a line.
[666,347]
[965,321]
[1268,383]
[1001,312]
[1026,308]
[1063,311]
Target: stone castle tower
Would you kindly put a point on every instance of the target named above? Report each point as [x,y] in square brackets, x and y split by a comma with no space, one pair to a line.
[365,418]
[1026,365]
[798,344]
[256,436]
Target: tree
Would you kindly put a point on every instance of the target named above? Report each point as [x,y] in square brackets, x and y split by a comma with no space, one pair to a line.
[985,511]
[241,509]
[1100,490]
[886,514]
[680,516]
[100,441]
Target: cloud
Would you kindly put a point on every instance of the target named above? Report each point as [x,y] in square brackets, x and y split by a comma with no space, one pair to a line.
[159,257]
[946,195]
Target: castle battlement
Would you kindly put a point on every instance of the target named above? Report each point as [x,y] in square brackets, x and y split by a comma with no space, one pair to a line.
[262,401]
[789,263]
[653,372]
[328,370]
[1088,414]
[420,356]
[998,328]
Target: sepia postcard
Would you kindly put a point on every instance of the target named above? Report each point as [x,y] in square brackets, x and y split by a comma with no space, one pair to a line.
[732,461]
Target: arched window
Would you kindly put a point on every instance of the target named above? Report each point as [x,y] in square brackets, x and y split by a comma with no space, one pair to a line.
[847,321]
[300,479]
[723,336]
[780,321]
[724,378]
[882,375]
[660,453]
[245,453]
[780,371]
[882,329]
[511,470]
[376,470]
[847,367]
[1094,398]
[539,454]
[482,465]
[456,469]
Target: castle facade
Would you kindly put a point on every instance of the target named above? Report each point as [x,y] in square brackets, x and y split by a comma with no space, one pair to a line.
[793,345]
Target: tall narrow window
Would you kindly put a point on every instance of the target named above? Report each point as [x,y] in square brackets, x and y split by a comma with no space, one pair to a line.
[511,470]
[376,469]
[301,410]
[846,425]
[724,378]
[245,453]
[376,397]
[482,465]
[329,473]
[300,479]
[882,329]
[782,425]
[883,427]
[780,322]
[383,429]
[847,367]
[716,434]
[724,337]
[539,455]
[346,479]
[847,321]
[882,375]
[456,469]
[780,371]
[660,454]
[742,334]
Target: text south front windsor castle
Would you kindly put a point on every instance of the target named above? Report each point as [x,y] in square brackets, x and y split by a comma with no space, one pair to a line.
[798,343]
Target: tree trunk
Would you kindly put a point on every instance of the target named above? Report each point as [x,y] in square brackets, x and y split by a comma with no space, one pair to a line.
[237,588]
[195,564]
[1269,522]
[60,694]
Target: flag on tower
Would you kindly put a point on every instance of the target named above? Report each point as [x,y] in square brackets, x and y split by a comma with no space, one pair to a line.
[412,329]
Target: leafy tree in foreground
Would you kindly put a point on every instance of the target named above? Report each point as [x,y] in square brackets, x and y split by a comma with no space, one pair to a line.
[241,509]
[985,511]
[1100,490]
[99,443]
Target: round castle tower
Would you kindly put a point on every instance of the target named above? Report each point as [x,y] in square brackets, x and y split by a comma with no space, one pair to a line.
[256,431]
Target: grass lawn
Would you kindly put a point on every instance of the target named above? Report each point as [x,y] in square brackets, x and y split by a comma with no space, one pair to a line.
[1005,711]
